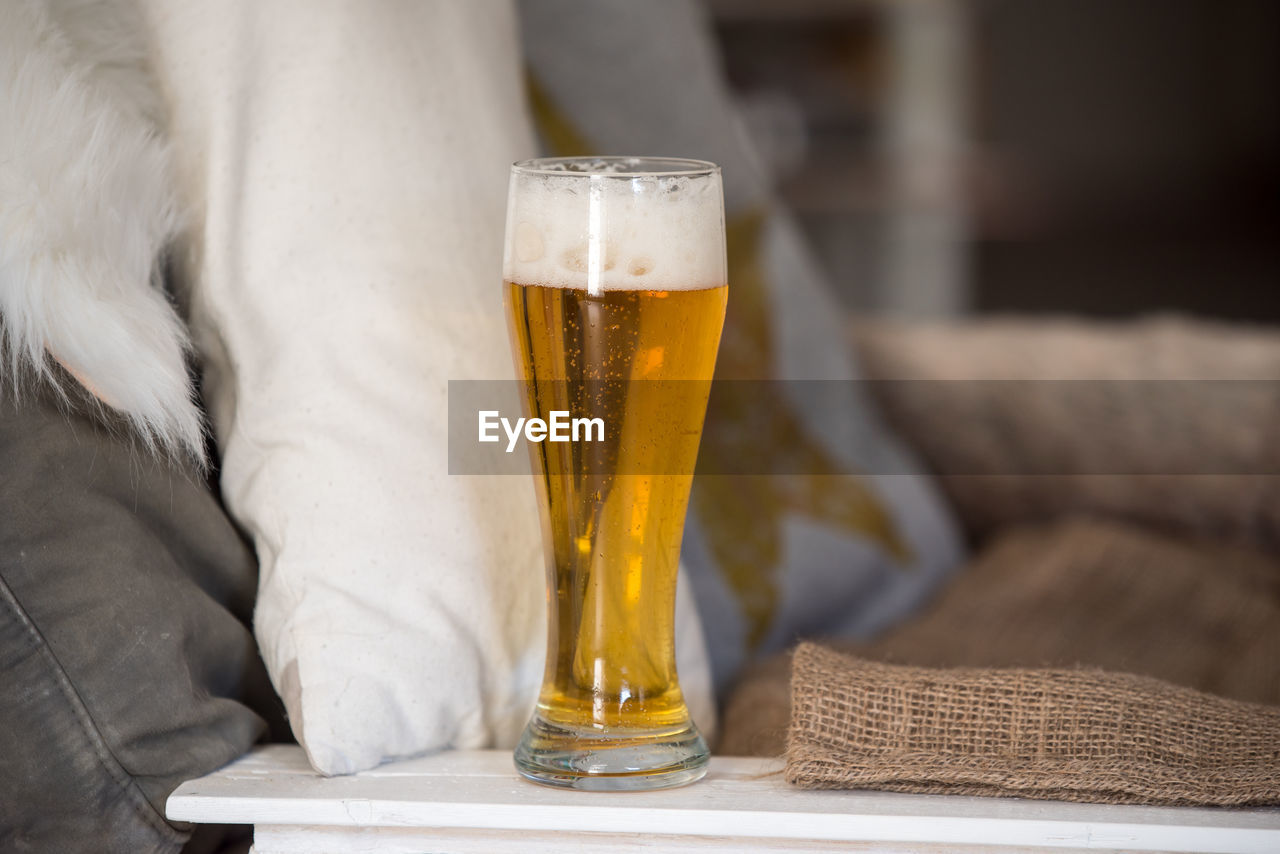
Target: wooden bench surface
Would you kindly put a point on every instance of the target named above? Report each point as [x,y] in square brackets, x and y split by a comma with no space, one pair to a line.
[473,801]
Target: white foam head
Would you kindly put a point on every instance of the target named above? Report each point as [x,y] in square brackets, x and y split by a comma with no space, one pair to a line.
[615,223]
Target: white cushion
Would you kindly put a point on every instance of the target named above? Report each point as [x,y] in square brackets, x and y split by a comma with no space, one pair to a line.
[347,166]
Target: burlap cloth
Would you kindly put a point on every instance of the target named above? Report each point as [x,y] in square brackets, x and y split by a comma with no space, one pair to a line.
[1077,593]
[1075,735]
[1116,561]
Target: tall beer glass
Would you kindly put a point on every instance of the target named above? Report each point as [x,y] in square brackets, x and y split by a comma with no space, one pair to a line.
[615,289]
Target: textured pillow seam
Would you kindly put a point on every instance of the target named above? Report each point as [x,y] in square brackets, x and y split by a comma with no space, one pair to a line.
[142,807]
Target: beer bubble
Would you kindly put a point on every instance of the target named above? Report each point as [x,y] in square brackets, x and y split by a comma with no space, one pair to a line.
[528,243]
[671,186]
[578,259]
[639,266]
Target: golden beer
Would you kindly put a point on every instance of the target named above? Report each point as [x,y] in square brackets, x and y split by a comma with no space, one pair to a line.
[613,513]
[615,290]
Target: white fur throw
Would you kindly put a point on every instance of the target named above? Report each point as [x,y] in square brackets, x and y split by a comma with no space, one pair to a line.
[87,205]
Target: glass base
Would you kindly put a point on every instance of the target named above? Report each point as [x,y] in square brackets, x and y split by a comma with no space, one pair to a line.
[613,761]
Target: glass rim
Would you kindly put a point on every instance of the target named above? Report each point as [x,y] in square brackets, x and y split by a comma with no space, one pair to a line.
[666,167]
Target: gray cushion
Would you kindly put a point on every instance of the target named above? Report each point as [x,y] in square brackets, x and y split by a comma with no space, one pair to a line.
[127,665]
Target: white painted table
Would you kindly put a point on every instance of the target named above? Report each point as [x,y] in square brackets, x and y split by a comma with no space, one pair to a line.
[471,802]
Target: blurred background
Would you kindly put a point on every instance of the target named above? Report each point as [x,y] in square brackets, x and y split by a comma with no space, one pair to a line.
[950,157]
